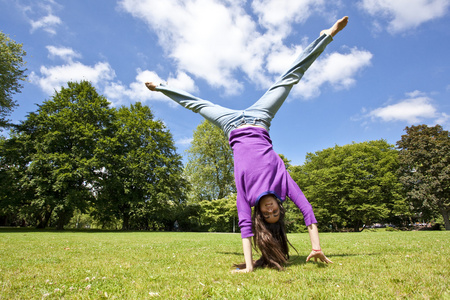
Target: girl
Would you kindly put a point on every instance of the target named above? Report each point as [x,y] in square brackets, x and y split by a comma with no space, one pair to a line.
[261,178]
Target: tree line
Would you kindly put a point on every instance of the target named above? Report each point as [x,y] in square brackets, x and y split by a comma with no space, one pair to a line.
[350,186]
[78,162]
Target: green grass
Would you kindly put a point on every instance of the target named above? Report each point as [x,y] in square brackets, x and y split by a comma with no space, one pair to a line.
[149,265]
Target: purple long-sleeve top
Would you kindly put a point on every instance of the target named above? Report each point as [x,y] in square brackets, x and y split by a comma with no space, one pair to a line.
[259,171]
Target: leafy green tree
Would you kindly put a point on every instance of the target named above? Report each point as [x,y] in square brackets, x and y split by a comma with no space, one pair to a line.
[210,165]
[14,195]
[188,217]
[139,172]
[219,215]
[56,147]
[352,185]
[286,161]
[11,73]
[425,169]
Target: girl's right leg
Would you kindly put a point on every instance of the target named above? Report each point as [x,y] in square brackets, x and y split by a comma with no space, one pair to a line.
[218,115]
[268,105]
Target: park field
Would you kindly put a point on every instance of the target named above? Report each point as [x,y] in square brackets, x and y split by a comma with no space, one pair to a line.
[176,265]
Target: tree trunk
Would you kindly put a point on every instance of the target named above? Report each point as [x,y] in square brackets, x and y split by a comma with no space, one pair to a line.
[356,226]
[445,215]
[335,226]
[64,217]
[43,222]
[126,221]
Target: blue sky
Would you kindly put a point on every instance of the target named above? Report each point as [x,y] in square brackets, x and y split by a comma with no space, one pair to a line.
[388,69]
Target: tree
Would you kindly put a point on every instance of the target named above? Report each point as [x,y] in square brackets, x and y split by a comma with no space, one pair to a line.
[56,148]
[219,215]
[11,73]
[139,173]
[425,169]
[286,161]
[352,185]
[14,195]
[210,165]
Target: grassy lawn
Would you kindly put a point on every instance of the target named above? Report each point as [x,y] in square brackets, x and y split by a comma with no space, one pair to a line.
[152,265]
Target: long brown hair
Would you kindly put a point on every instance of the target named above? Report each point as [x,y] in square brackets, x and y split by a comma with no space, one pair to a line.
[270,240]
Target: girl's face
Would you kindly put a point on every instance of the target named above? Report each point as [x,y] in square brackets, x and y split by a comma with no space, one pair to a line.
[269,208]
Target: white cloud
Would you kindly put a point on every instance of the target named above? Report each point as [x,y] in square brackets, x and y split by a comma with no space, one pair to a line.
[52,78]
[279,14]
[101,75]
[67,54]
[40,15]
[116,92]
[184,142]
[216,40]
[443,120]
[412,110]
[338,70]
[415,94]
[205,38]
[404,15]
[280,59]
[47,23]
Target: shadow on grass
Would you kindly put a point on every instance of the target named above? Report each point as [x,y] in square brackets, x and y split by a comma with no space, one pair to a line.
[231,253]
[296,260]
[301,259]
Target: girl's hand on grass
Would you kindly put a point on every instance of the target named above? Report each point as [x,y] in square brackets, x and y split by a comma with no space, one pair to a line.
[237,270]
[318,255]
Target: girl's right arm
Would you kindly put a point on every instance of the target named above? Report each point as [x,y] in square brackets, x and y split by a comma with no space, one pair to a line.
[247,247]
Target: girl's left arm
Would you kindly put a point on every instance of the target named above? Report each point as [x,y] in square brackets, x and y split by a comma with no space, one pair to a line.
[297,196]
